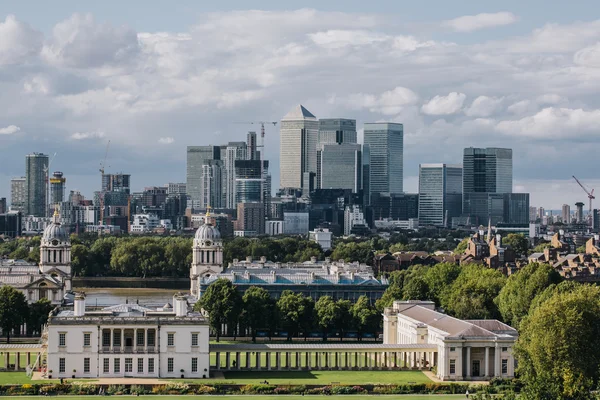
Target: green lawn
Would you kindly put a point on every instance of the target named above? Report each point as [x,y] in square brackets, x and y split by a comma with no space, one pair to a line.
[321,377]
[17,378]
[255,397]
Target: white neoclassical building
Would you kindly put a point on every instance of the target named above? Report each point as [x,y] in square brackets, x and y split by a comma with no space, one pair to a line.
[128,340]
[50,279]
[207,254]
[466,350]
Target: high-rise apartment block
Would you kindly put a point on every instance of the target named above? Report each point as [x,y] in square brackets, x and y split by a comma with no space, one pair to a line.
[176,188]
[211,185]
[116,183]
[298,151]
[57,190]
[197,157]
[386,146]
[252,146]
[440,193]
[18,194]
[566,214]
[234,151]
[36,177]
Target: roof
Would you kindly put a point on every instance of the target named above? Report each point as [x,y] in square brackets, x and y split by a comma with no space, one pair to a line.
[288,276]
[298,112]
[330,346]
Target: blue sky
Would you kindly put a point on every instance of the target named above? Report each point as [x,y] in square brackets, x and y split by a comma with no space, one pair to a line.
[153,78]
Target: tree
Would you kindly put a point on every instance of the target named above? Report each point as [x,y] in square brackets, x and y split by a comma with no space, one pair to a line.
[521,288]
[416,289]
[256,309]
[13,310]
[555,350]
[326,310]
[365,317]
[580,250]
[293,310]
[439,279]
[541,247]
[222,302]
[472,294]
[80,260]
[518,242]
[462,246]
[343,320]
[38,316]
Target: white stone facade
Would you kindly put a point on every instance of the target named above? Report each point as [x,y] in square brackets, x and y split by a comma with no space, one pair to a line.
[467,350]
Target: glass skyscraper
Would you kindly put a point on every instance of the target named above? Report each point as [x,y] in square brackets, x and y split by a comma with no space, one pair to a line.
[386,145]
[197,156]
[298,152]
[440,193]
[36,182]
[488,170]
[333,131]
[340,167]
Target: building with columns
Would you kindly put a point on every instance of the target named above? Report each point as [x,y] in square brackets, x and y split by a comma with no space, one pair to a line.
[127,340]
[50,279]
[207,254]
[466,350]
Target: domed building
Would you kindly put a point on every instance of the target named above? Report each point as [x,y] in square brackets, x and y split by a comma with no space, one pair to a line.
[51,279]
[207,254]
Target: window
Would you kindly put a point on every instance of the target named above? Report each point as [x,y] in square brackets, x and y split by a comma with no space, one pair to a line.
[169,364]
[106,365]
[140,368]
[452,367]
[194,364]
[194,339]
[140,338]
[170,339]
[151,337]
[504,366]
[62,366]
[505,349]
[87,339]
[117,338]
[151,365]
[106,338]
[62,339]
[86,365]
[452,348]
[117,366]
[128,365]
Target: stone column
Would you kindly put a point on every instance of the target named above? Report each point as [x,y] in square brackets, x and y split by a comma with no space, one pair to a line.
[237,360]
[248,361]
[257,360]
[307,359]
[122,340]
[487,362]
[227,359]
[278,360]
[497,362]
[135,333]
[468,362]
[17,361]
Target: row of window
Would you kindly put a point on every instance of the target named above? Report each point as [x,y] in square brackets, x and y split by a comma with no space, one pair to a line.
[504,367]
[87,339]
[504,349]
[62,365]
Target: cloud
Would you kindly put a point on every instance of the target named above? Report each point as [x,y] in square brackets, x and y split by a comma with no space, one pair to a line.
[588,57]
[18,41]
[9,130]
[444,105]
[87,135]
[550,98]
[80,42]
[390,102]
[520,107]
[470,23]
[166,140]
[484,106]
[336,39]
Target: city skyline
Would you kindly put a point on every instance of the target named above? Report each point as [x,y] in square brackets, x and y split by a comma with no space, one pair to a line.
[455,77]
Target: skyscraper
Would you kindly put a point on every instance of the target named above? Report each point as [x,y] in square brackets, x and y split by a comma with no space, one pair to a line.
[341,167]
[36,177]
[333,131]
[234,151]
[440,193]
[298,151]
[386,145]
[196,158]
[488,170]
[57,190]
[211,184]
[18,194]
[3,208]
[116,183]
[566,214]
[251,143]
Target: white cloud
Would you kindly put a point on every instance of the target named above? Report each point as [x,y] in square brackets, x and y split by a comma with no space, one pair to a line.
[550,98]
[444,105]
[520,107]
[166,140]
[554,123]
[588,57]
[470,23]
[87,135]
[336,39]
[484,106]
[9,130]
[390,102]
[18,41]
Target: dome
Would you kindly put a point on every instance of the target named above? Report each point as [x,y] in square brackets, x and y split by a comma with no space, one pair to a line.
[208,232]
[55,231]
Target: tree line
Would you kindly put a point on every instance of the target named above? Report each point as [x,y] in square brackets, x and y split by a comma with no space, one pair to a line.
[255,310]
[14,312]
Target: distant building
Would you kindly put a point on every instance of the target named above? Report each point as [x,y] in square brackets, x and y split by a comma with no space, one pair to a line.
[176,188]
[298,152]
[10,224]
[532,214]
[251,144]
[295,223]
[487,170]
[340,166]
[116,183]
[322,237]
[353,216]
[274,228]
[18,194]
[440,193]
[197,156]
[386,148]
[57,189]
[234,152]
[3,207]
[395,206]
[144,223]
[333,131]
[507,208]
[566,214]
[250,218]
[36,175]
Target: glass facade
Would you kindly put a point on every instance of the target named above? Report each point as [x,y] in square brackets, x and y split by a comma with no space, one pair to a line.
[298,147]
[386,146]
[440,193]
[196,158]
[333,131]
[341,167]
[36,168]
[487,170]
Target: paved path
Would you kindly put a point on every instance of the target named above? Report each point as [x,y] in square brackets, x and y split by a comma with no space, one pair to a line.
[434,378]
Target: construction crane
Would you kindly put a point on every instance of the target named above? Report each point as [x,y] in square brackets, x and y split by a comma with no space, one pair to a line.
[589,194]
[47,172]
[102,188]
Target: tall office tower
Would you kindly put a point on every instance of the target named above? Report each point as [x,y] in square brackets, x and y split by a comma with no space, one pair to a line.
[18,194]
[116,183]
[3,208]
[333,131]
[341,167]
[57,190]
[541,213]
[252,146]
[386,146]
[248,181]
[233,151]
[440,193]
[487,170]
[298,151]
[579,213]
[36,177]
[196,158]
[211,184]
[176,188]
[566,214]
[251,218]
[532,214]
[366,175]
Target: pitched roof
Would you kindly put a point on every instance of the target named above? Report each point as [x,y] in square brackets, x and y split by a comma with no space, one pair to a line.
[298,112]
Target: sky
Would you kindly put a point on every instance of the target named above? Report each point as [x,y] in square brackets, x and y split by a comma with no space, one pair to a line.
[155,76]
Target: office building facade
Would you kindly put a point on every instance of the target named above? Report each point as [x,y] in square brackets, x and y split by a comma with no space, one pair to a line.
[36,175]
[440,193]
[298,152]
[340,167]
[234,151]
[386,147]
[487,170]
[197,156]
[57,189]
[18,194]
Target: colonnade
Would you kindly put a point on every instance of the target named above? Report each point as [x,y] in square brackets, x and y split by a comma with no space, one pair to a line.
[11,356]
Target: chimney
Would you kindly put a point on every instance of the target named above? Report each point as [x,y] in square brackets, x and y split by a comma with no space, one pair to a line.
[249,259]
[180,305]
[79,305]
[313,259]
[263,259]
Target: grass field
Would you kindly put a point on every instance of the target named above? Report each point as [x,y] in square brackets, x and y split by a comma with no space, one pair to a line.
[255,397]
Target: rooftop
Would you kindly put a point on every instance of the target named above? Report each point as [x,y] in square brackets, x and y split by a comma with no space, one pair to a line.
[298,113]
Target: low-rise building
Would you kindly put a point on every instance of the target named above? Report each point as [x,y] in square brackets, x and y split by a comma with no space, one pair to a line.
[322,237]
